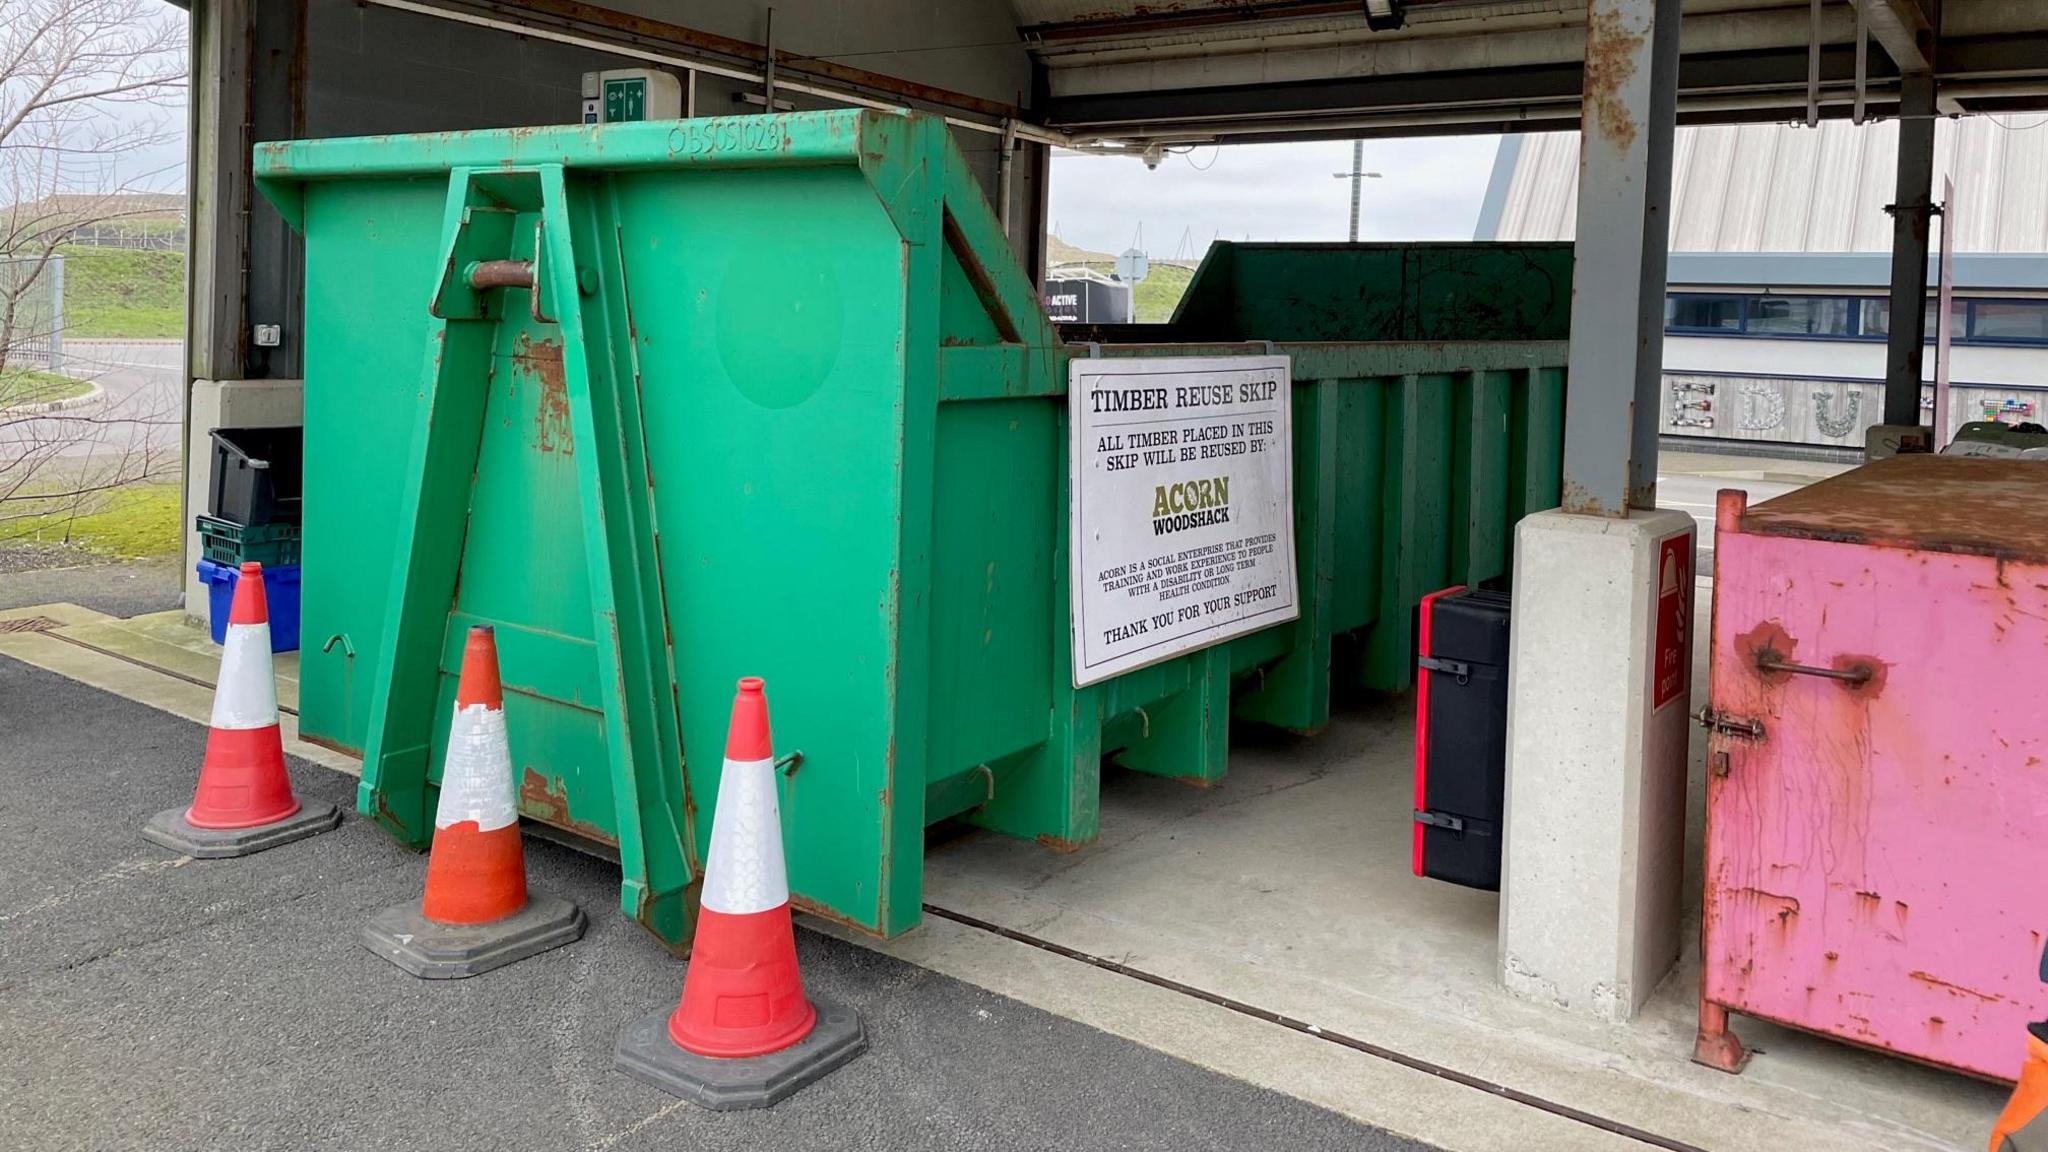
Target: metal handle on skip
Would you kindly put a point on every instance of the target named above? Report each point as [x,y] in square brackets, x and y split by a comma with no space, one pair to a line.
[1854,674]
[501,274]
[484,275]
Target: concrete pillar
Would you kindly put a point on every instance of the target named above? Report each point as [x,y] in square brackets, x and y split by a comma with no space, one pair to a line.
[1599,671]
[1599,680]
[1620,256]
[217,184]
[1912,210]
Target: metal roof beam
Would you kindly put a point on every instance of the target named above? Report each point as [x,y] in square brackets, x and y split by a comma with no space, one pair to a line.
[1903,31]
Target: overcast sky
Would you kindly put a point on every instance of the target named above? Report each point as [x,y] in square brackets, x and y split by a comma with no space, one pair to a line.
[1429,189]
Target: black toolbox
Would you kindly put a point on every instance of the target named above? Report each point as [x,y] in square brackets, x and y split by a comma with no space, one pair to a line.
[258,475]
[1461,736]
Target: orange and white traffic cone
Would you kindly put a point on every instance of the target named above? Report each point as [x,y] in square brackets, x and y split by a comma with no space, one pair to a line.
[2023,1126]
[744,1034]
[478,913]
[244,801]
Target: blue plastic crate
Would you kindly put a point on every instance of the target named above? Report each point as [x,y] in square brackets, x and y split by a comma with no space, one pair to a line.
[280,591]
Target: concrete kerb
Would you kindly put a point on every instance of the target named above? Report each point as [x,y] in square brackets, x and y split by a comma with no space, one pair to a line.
[93,395]
[134,677]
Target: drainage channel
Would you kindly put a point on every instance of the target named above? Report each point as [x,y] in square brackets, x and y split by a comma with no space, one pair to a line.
[1591,1120]
[173,673]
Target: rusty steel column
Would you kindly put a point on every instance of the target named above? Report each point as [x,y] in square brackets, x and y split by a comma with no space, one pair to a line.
[1630,105]
[1912,208]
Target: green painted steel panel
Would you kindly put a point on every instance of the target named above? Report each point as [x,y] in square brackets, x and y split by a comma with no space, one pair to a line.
[360,238]
[780,402]
[1448,291]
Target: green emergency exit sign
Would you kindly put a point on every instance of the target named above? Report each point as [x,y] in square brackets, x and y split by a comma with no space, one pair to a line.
[625,100]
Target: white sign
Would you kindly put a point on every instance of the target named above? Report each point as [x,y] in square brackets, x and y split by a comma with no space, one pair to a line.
[1182,506]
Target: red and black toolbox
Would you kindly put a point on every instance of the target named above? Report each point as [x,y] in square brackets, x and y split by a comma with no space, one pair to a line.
[1461,736]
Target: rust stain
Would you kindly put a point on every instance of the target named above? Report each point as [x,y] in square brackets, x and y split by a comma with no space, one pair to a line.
[1934,981]
[542,360]
[548,802]
[831,915]
[1780,907]
[1922,503]
[384,813]
[1869,689]
[1611,49]
[1767,640]
[332,744]
[1576,497]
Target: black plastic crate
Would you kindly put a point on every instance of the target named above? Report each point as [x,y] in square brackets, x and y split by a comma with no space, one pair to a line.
[228,543]
[1461,747]
[258,475]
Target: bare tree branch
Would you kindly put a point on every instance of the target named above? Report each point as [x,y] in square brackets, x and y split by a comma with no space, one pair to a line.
[88,88]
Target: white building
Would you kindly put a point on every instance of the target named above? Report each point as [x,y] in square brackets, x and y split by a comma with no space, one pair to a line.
[1779,270]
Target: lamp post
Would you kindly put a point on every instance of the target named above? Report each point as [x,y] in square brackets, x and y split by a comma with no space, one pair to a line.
[1357,176]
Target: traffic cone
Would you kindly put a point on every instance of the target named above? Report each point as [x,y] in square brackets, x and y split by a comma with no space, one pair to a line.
[2022,1127]
[744,1034]
[477,913]
[244,801]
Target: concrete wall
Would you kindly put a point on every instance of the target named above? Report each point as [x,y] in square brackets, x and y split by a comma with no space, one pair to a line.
[326,68]
[296,69]
[966,46]
[376,70]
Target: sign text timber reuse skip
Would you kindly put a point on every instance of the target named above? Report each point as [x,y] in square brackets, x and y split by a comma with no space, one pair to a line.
[1182,506]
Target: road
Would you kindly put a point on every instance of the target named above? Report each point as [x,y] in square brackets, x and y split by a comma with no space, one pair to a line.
[136,424]
[152,1001]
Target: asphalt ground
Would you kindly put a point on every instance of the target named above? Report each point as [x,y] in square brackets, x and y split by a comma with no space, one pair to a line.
[116,587]
[148,1001]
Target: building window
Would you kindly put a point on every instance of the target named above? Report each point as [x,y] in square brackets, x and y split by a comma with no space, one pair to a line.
[1800,316]
[1877,318]
[1703,313]
[2016,320]
[1972,321]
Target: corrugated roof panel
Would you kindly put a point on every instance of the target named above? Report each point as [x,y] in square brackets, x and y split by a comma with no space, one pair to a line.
[1520,194]
[1788,188]
[1682,147]
[1838,181]
[1977,209]
[2023,216]
[1537,203]
[1870,227]
[1753,193]
[1784,227]
[1568,204]
[1706,190]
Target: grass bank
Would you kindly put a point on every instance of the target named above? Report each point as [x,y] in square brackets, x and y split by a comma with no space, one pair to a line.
[135,522]
[123,293]
[21,386]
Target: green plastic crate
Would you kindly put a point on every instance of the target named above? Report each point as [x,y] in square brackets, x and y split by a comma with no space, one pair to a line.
[226,542]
